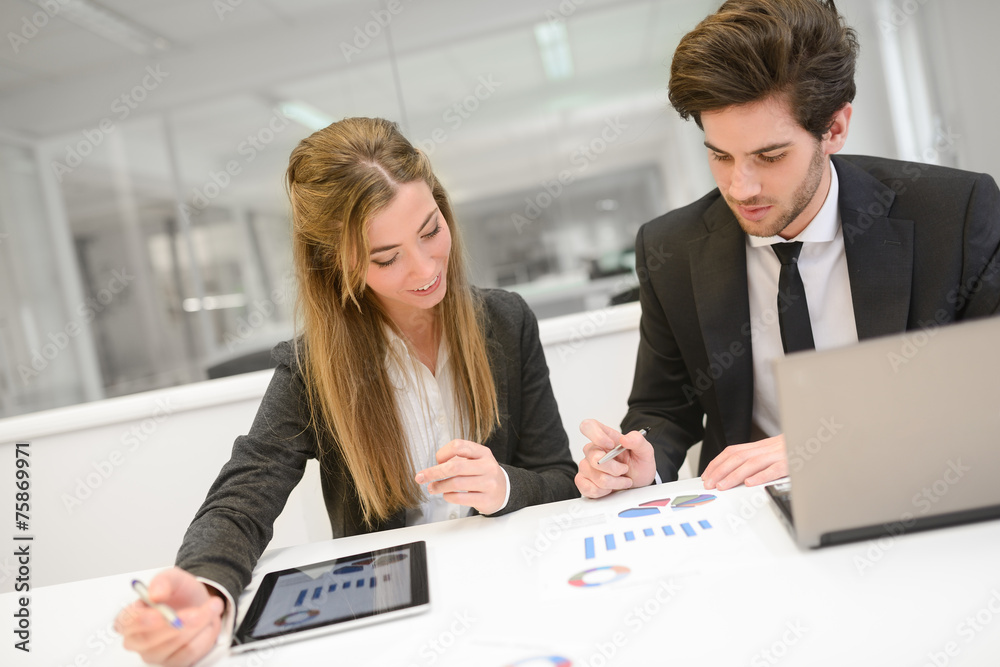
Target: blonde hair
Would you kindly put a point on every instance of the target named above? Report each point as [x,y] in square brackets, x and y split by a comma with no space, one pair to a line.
[337,179]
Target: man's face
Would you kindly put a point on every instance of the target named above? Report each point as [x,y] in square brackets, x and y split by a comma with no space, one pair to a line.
[773,174]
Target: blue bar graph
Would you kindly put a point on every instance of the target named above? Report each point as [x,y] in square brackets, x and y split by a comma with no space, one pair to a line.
[611,540]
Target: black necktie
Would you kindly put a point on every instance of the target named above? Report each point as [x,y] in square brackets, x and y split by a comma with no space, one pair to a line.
[793,311]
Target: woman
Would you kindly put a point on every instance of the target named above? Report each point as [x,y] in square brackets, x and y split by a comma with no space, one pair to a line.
[401,371]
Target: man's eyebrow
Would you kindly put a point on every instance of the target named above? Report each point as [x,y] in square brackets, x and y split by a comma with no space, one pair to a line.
[765,149]
[427,220]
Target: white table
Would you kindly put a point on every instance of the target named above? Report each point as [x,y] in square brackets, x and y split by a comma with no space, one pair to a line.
[738,593]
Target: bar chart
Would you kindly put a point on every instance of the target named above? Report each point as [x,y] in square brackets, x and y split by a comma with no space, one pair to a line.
[621,541]
[317,592]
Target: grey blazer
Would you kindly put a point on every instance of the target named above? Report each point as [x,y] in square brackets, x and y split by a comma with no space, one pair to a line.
[234,524]
[923,250]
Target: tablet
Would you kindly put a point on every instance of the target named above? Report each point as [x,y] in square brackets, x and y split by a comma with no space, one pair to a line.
[336,595]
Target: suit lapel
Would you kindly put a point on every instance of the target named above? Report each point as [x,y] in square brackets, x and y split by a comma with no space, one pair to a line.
[879,252]
[719,283]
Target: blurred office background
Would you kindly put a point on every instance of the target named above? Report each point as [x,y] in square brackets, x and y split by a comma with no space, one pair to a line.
[143,223]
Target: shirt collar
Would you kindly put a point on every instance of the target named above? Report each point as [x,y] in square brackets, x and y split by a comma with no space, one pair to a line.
[824,226]
[398,350]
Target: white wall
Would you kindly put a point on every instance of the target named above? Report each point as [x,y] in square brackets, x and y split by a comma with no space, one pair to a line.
[114,483]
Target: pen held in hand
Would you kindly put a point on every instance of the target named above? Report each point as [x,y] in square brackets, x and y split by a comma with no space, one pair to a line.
[616,451]
[168,614]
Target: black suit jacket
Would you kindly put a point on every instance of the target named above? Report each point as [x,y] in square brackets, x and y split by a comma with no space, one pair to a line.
[923,249]
[234,524]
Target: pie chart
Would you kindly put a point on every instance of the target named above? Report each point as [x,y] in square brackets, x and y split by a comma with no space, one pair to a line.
[684,502]
[296,617]
[599,576]
[637,512]
[543,661]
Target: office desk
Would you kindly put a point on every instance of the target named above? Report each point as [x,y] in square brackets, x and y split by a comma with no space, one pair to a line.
[736,592]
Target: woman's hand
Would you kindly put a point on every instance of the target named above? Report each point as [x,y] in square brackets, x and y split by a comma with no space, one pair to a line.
[467,474]
[146,632]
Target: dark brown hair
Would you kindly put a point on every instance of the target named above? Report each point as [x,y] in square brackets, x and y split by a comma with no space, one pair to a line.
[750,50]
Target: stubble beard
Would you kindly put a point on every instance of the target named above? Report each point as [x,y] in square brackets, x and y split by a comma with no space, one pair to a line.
[801,198]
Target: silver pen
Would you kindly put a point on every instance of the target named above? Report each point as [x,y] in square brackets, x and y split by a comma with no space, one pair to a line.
[168,614]
[617,450]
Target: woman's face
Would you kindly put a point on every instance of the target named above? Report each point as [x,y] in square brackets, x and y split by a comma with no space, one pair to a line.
[410,244]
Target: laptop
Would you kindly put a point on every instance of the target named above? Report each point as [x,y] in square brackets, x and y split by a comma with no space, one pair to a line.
[892,435]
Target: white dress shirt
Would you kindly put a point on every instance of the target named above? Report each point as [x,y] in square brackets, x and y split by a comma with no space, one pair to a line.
[823,267]
[430,417]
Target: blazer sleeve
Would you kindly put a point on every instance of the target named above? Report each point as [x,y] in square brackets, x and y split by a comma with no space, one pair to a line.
[658,402]
[235,523]
[979,295]
[539,464]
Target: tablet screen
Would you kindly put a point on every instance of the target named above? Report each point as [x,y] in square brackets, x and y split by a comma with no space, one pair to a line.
[332,594]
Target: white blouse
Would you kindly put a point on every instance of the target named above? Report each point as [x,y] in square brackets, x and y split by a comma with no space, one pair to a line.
[430,417]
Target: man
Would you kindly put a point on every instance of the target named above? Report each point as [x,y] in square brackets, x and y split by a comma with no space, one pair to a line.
[795,250]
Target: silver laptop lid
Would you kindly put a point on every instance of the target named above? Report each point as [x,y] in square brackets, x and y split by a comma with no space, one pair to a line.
[893,432]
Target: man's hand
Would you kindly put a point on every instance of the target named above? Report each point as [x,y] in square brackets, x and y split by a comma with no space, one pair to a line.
[633,467]
[751,463]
